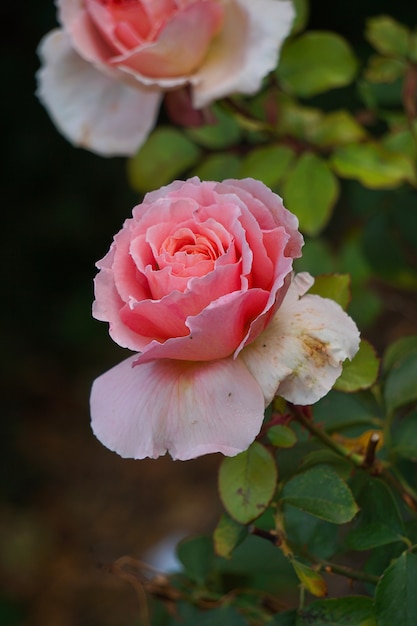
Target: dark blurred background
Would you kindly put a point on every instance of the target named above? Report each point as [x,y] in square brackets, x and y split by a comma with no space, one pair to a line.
[69,506]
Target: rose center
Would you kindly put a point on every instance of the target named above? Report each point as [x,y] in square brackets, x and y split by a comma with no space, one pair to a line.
[185,241]
[136,21]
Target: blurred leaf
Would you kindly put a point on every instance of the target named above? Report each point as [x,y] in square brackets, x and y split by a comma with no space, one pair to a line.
[387,35]
[379,522]
[225,132]
[227,535]
[383,70]
[310,579]
[398,350]
[310,533]
[404,437]
[190,615]
[196,555]
[400,385]
[247,483]
[320,492]
[316,62]
[302,11]
[361,372]
[267,163]
[218,167]
[377,95]
[341,466]
[339,411]
[365,306]
[296,120]
[282,436]
[334,129]
[372,165]
[333,286]
[310,191]
[350,611]
[396,597]
[317,258]
[166,154]
[401,141]
[286,618]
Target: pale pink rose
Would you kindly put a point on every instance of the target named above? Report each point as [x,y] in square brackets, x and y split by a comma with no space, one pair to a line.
[105,70]
[199,283]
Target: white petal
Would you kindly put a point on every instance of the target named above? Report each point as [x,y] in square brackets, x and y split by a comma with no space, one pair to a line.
[245,51]
[91,109]
[189,409]
[299,355]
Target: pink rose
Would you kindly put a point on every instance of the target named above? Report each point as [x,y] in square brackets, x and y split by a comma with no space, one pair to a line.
[199,283]
[105,70]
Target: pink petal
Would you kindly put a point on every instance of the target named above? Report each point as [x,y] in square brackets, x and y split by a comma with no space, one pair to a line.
[185,409]
[180,46]
[246,49]
[299,355]
[89,108]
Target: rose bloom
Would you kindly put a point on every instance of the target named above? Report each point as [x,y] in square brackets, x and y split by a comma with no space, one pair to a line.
[199,284]
[105,70]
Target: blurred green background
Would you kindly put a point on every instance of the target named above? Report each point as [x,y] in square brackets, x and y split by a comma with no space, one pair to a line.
[68,505]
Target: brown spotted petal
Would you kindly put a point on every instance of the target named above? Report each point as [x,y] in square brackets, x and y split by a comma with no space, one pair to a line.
[299,355]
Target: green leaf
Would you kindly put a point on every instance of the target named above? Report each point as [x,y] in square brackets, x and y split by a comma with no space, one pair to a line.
[317,258]
[404,437]
[247,483]
[379,522]
[190,615]
[316,62]
[218,167]
[297,120]
[302,11]
[400,385]
[286,618]
[225,132]
[387,36]
[310,579]
[333,286]
[339,411]
[320,492]
[311,191]
[361,372]
[372,165]
[324,456]
[396,597]
[227,535]
[398,350]
[334,129]
[282,436]
[350,611]
[196,555]
[268,164]
[383,70]
[166,154]
[309,533]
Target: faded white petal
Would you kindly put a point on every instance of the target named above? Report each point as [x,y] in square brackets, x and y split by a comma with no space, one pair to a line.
[299,355]
[245,51]
[91,109]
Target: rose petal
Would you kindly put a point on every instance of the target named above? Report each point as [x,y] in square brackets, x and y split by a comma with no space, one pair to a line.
[91,109]
[299,355]
[246,49]
[186,409]
[180,46]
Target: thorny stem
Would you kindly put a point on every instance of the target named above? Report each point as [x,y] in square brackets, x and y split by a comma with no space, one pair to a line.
[344,570]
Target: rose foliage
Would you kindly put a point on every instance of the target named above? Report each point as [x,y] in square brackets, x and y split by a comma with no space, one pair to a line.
[199,283]
[106,68]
